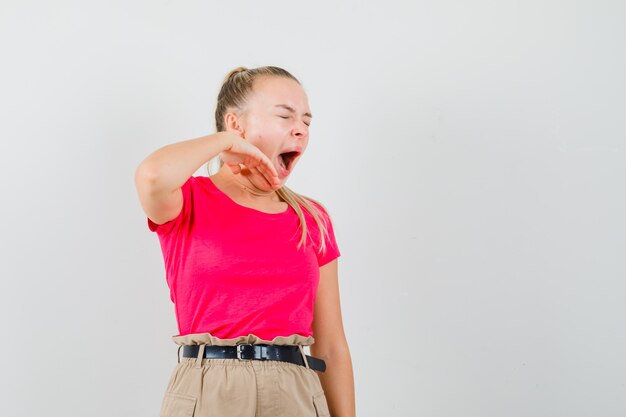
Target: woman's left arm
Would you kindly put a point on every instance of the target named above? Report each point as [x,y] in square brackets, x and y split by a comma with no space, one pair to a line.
[331,345]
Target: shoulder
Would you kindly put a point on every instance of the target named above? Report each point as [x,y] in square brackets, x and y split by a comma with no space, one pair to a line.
[198,186]
[322,213]
[316,205]
[199,180]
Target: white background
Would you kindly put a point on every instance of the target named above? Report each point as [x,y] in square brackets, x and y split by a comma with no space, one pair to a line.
[471,153]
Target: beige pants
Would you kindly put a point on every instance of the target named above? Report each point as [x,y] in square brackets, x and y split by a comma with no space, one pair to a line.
[201,387]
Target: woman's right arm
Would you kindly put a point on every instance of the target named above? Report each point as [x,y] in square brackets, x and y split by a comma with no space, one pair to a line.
[159,177]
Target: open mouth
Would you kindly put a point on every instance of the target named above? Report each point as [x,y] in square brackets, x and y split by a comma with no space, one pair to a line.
[286,159]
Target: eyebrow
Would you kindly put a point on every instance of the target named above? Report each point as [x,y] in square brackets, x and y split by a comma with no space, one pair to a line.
[291,109]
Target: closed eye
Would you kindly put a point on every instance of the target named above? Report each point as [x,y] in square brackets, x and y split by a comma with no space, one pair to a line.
[287,117]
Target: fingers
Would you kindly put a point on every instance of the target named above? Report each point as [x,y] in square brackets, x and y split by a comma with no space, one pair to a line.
[269,172]
[272,182]
[250,157]
[234,167]
[263,167]
[257,171]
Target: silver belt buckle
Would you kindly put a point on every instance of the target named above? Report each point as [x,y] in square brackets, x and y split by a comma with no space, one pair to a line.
[239,349]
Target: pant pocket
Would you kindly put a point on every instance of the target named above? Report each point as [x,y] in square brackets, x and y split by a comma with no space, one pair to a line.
[321,406]
[178,405]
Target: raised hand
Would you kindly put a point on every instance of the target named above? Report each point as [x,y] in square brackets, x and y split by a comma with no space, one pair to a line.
[242,152]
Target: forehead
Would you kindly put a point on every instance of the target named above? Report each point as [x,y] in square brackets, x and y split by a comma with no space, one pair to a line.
[269,91]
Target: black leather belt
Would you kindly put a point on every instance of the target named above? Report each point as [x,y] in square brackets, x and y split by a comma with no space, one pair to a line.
[285,353]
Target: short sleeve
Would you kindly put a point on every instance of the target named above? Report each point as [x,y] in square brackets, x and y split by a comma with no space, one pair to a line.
[182,218]
[332,249]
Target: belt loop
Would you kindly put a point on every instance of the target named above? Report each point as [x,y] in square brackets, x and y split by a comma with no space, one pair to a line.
[306,363]
[178,353]
[200,356]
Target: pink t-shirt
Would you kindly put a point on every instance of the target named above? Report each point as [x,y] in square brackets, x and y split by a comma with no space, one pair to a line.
[234,271]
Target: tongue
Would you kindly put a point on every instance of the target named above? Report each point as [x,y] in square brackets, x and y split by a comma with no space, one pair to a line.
[282,167]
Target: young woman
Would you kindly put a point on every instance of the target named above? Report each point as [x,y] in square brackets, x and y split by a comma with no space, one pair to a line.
[250,264]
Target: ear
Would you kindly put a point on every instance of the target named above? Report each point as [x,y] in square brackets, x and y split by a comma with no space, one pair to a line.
[232,122]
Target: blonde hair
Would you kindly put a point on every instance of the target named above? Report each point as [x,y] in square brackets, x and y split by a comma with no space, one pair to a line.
[237,86]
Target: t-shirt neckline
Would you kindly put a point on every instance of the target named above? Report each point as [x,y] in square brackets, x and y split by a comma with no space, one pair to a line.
[233,202]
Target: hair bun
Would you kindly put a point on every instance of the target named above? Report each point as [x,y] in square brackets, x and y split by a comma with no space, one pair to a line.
[234,72]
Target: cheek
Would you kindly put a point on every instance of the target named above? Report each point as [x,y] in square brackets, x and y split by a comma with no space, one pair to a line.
[263,143]
[263,132]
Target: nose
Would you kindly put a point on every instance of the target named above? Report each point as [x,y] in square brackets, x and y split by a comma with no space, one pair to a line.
[300,130]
